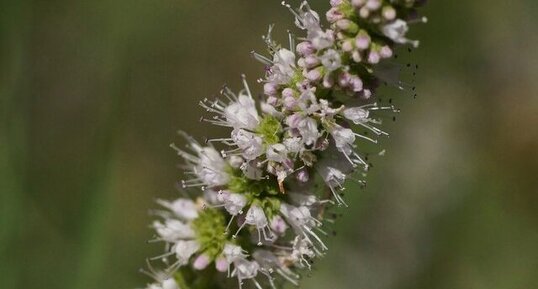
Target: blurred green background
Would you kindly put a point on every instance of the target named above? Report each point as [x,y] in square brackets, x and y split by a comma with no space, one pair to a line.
[92,93]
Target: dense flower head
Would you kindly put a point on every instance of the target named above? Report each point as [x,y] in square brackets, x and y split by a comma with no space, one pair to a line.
[258,214]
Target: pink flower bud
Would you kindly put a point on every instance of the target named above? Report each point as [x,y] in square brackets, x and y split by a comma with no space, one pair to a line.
[201,262]
[221,264]
[389,13]
[288,92]
[311,61]
[343,79]
[294,120]
[364,12]
[344,24]
[335,3]
[356,84]
[347,45]
[289,102]
[278,225]
[334,15]
[305,48]
[303,176]
[270,88]
[314,75]
[362,41]
[328,81]
[385,52]
[373,5]
[366,94]
[271,100]
[358,3]
[356,55]
[373,57]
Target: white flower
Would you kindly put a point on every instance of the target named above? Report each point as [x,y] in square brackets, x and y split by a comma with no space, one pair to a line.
[270,109]
[308,128]
[230,254]
[270,263]
[277,153]
[242,113]
[344,139]
[185,209]
[293,144]
[252,171]
[211,197]
[233,203]
[322,39]
[307,19]
[206,164]
[298,216]
[396,31]
[331,60]
[211,168]
[278,225]
[163,280]
[233,253]
[283,67]
[356,114]
[303,199]
[184,250]
[245,269]
[256,217]
[326,109]
[168,283]
[235,161]
[334,179]
[250,143]
[173,230]
[302,250]
[302,222]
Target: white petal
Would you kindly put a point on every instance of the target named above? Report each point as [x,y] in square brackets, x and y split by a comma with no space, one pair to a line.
[184,250]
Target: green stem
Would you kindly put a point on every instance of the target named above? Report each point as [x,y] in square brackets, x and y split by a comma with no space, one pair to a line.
[181,280]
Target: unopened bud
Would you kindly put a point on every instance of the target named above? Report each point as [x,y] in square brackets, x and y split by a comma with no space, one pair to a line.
[389,13]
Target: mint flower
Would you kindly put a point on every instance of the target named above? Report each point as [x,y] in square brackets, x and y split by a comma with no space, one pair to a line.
[169,283]
[260,192]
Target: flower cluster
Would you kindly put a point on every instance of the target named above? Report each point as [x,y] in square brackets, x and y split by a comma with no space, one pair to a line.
[265,187]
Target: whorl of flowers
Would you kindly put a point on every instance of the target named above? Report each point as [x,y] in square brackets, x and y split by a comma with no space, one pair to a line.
[263,190]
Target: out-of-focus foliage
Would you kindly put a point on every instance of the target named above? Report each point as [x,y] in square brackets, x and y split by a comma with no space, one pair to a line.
[92,92]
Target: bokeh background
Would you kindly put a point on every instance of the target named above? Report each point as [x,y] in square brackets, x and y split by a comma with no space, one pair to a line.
[92,93]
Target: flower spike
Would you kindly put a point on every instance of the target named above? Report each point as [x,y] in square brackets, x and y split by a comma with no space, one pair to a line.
[259,215]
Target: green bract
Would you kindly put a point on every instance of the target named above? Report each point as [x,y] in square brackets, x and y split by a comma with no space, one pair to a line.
[209,227]
[270,129]
[264,193]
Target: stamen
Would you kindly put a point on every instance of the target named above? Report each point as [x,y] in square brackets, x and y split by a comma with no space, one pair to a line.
[261,58]
[245,84]
[234,236]
[162,256]
[365,137]
[289,278]
[373,129]
[291,41]
[229,224]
